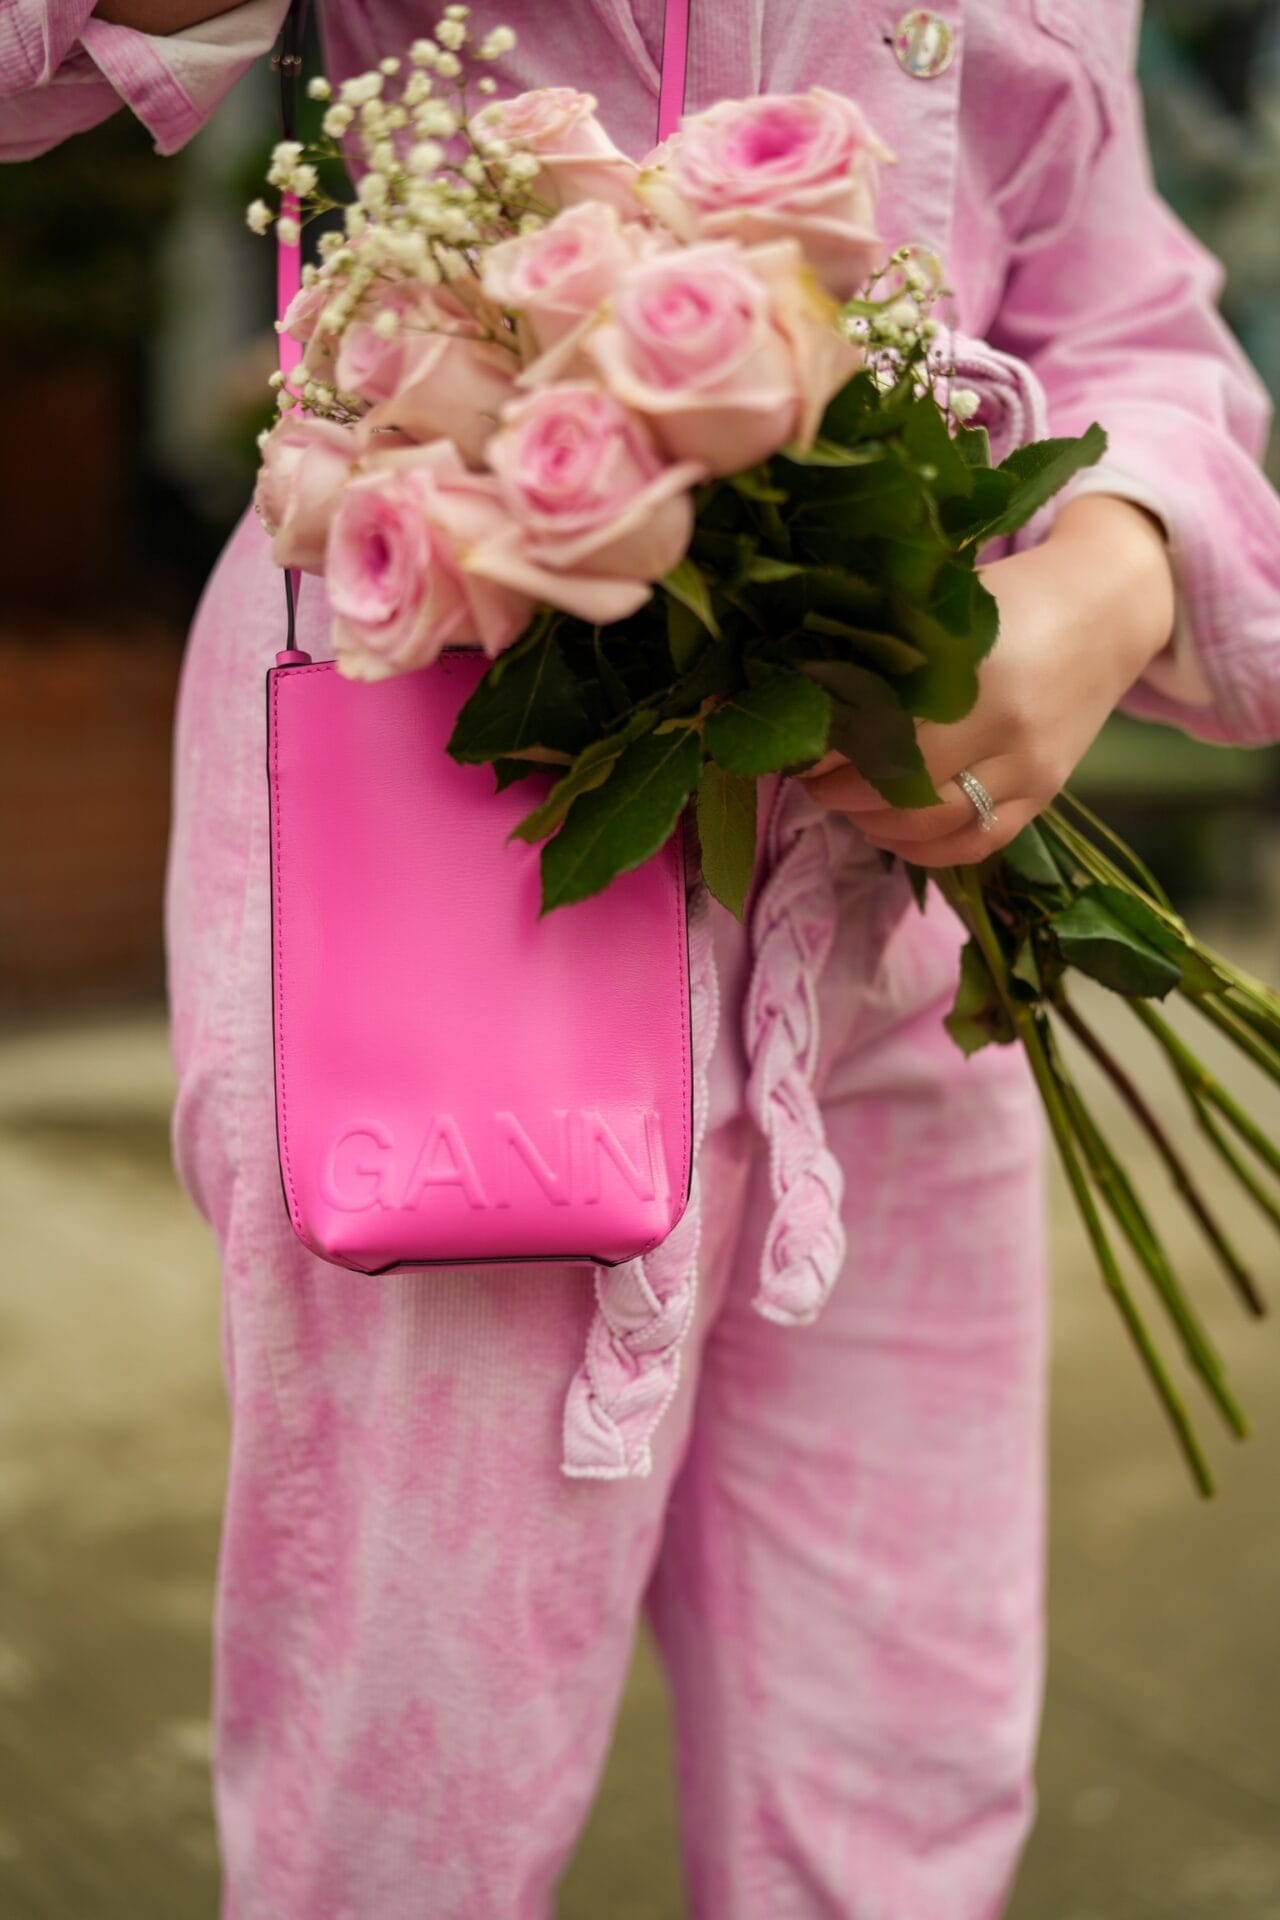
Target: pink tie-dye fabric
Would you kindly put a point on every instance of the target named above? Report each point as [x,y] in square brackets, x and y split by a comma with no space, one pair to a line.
[423,1624]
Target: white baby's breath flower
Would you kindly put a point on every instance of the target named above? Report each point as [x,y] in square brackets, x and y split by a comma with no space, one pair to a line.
[486,84]
[328,245]
[964,403]
[285,156]
[522,166]
[473,170]
[319,88]
[424,53]
[903,313]
[305,180]
[448,66]
[258,216]
[426,157]
[451,34]
[337,120]
[495,44]
[276,380]
[289,230]
[362,88]
[436,120]
[373,192]
[389,66]
[387,324]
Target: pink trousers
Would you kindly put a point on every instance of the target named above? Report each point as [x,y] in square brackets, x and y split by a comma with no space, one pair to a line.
[423,1626]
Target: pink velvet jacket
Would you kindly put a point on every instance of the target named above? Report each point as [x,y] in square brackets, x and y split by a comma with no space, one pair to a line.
[1079,296]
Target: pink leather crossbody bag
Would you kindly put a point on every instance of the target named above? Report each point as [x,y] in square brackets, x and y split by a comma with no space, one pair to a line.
[457,1080]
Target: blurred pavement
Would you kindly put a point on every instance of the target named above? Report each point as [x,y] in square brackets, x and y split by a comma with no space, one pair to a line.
[1160,1760]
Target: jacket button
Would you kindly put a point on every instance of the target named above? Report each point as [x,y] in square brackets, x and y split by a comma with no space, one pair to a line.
[923,43]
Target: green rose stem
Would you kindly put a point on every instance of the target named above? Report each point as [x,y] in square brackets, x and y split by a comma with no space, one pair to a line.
[1221,1014]
[1131,1217]
[1177,1168]
[963,888]
[1243,1173]
[1126,855]
[1194,1075]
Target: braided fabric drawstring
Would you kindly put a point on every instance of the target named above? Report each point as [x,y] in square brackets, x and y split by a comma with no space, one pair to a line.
[644,1308]
[793,927]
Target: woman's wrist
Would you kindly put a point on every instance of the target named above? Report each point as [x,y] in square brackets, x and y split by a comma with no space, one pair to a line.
[1116,556]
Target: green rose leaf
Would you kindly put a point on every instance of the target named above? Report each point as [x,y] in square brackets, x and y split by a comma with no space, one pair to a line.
[1025,971]
[779,723]
[870,727]
[1027,855]
[1040,470]
[974,444]
[727,831]
[686,635]
[830,453]
[764,569]
[930,444]
[531,700]
[507,772]
[1111,936]
[886,651]
[977,1016]
[591,769]
[615,826]
[687,584]
[955,631]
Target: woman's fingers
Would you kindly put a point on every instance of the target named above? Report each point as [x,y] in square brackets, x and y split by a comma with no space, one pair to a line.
[967,844]
[836,783]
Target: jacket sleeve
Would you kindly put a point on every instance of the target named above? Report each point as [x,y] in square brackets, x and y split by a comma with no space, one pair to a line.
[62,70]
[1116,313]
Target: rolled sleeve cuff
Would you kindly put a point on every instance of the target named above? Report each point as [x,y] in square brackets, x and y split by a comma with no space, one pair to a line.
[1219,676]
[62,70]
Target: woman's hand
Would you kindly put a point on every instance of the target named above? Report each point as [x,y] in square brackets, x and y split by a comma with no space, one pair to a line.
[1081,617]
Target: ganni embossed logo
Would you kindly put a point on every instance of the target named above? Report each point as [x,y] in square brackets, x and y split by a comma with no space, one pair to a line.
[487,1165]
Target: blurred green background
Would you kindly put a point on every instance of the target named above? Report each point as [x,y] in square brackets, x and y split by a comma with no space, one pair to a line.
[139,307]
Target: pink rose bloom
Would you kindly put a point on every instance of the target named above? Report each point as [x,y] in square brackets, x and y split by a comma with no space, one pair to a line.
[559,277]
[578,160]
[596,513]
[372,364]
[798,165]
[302,315]
[305,465]
[693,345]
[397,564]
[449,383]
[806,316]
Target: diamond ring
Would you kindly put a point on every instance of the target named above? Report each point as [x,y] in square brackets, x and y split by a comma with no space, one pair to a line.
[978,797]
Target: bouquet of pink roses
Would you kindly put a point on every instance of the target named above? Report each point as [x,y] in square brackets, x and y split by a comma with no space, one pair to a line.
[678,447]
